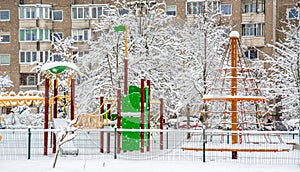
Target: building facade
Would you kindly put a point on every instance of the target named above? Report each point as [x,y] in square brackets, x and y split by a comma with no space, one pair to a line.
[27,28]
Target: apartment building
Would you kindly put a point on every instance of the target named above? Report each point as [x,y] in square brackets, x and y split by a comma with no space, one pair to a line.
[27,27]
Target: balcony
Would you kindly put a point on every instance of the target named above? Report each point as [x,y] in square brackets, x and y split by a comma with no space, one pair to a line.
[253,41]
[253,18]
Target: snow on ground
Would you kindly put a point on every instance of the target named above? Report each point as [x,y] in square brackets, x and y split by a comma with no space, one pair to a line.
[103,165]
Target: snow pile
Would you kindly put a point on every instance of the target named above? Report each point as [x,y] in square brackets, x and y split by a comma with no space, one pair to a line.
[22,117]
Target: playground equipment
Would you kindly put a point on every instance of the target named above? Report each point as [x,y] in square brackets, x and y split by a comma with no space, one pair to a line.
[243,88]
[56,68]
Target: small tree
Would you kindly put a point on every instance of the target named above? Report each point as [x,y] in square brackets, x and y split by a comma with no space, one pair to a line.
[5,82]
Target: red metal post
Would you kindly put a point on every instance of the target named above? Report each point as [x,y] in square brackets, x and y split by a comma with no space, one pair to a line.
[72,99]
[101,119]
[148,109]
[142,113]
[55,93]
[119,121]
[161,120]
[46,116]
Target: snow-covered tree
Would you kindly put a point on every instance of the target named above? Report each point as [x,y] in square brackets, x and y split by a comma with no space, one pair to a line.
[202,50]
[5,82]
[153,43]
[284,71]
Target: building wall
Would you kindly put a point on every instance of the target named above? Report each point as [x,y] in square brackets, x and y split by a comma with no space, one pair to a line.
[275,10]
[11,27]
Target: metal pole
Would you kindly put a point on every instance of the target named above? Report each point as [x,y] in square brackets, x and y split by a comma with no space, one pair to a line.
[234,120]
[142,113]
[167,138]
[101,119]
[29,142]
[126,62]
[46,116]
[115,145]
[203,144]
[161,123]
[55,93]
[119,120]
[148,111]
[72,99]
[108,133]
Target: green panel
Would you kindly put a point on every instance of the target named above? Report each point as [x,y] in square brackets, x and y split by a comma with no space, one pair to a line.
[131,140]
[130,103]
[134,89]
[114,116]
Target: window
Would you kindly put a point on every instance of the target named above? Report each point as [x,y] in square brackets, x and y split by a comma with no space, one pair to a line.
[44,56]
[80,35]
[4,59]
[197,7]
[31,80]
[4,38]
[251,54]
[35,11]
[80,12]
[292,13]
[253,6]
[4,15]
[27,12]
[27,79]
[226,9]
[28,34]
[56,57]
[34,34]
[57,36]
[122,12]
[194,7]
[171,10]
[28,56]
[44,34]
[98,11]
[256,29]
[58,15]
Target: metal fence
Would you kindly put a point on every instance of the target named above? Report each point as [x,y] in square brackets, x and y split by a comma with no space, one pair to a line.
[252,147]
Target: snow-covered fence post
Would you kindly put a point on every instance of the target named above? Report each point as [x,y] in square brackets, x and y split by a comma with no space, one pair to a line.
[29,143]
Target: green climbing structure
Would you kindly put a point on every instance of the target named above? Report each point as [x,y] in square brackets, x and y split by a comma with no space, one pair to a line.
[131,118]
